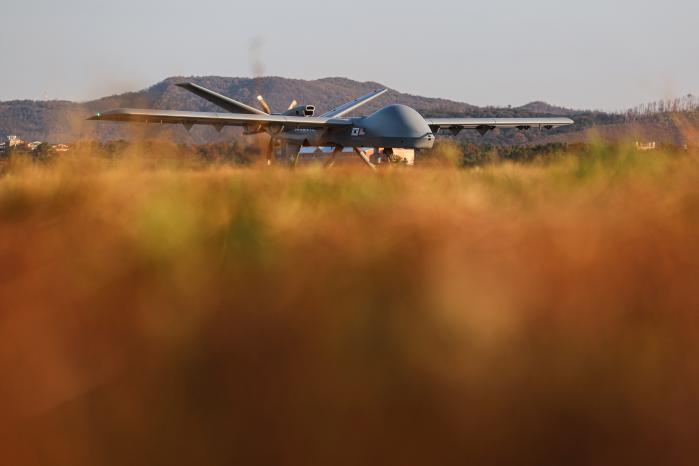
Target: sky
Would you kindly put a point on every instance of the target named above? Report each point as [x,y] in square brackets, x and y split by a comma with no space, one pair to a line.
[593,54]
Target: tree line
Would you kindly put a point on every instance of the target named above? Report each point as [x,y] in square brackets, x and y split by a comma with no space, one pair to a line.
[688,103]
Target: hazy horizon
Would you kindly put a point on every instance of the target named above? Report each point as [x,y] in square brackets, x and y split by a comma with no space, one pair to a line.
[588,56]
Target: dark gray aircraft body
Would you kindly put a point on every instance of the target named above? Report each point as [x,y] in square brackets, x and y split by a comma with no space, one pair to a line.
[392,127]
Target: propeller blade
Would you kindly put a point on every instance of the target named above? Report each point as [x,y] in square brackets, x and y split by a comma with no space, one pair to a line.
[292,104]
[263,104]
[270,151]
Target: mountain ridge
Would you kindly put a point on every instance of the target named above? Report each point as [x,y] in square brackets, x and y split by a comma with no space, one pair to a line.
[65,121]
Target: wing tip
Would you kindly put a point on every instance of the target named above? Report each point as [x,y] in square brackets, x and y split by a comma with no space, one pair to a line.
[110,115]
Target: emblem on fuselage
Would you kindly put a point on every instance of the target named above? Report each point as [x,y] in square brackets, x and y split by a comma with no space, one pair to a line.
[358,132]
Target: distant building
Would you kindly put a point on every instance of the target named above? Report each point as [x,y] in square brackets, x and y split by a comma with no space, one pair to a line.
[13,141]
[646,146]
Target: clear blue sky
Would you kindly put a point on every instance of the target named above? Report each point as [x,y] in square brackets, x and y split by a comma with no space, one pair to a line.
[608,54]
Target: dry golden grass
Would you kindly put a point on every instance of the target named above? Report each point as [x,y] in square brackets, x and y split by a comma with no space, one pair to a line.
[162,313]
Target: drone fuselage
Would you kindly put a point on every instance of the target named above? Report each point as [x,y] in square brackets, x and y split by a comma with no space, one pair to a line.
[396,126]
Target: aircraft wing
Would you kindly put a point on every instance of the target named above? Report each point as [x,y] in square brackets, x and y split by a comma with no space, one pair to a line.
[218,119]
[484,125]
[219,100]
[345,108]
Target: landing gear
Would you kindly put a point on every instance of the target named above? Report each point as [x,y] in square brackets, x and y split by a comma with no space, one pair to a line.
[360,152]
[291,154]
[372,158]
[331,160]
[384,156]
[388,153]
[391,156]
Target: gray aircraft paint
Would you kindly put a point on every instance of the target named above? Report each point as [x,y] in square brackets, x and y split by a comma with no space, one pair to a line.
[397,126]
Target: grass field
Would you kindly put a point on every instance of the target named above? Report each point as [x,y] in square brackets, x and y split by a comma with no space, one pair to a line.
[160,312]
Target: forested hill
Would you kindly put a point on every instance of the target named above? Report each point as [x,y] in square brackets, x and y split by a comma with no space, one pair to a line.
[62,121]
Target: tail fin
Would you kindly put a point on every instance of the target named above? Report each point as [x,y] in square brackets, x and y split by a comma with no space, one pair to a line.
[344,109]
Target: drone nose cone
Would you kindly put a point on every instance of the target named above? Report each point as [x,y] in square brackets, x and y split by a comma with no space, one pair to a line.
[397,121]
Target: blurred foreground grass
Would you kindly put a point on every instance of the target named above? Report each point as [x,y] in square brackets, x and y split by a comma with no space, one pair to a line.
[163,313]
